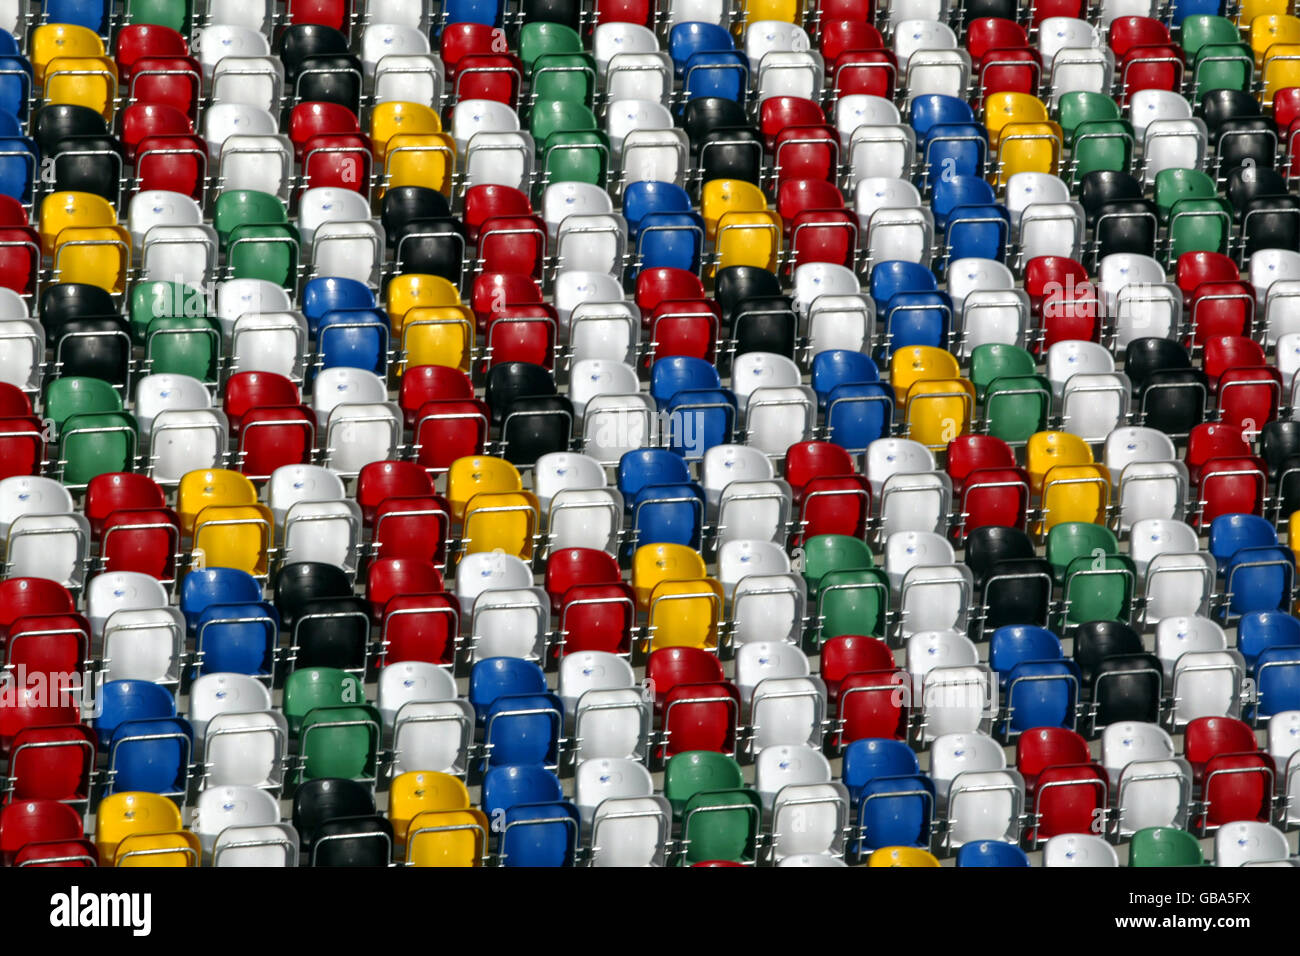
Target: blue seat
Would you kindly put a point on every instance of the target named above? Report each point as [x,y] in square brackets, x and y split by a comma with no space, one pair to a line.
[1259,579]
[873,757]
[671,239]
[649,466]
[687,39]
[641,199]
[524,729]
[510,786]
[978,232]
[720,73]
[91,14]
[700,419]
[9,124]
[840,367]
[540,834]
[917,318]
[954,149]
[1230,533]
[671,514]
[329,293]
[121,701]
[201,589]
[487,12]
[1016,643]
[991,853]
[354,338]
[151,755]
[858,414]
[1260,630]
[15,85]
[668,376]
[1180,10]
[237,639]
[962,190]
[893,276]
[1277,681]
[9,44]
[934,109]
[895,811]
[1042,693]
[19,160]
[495,677]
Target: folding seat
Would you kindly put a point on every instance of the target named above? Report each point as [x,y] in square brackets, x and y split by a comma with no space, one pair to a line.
[1233,778]
[893,804]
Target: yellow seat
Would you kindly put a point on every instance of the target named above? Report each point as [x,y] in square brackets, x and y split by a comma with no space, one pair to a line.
[654,563]
[95,255]
[179,848]
[749,239]
[721,196]
[89,81]
[1251,10]
[1281,70]
[914,363]
[438,335]
[1046,450]
[397,117]
[62,210]
[413,290]
[234,536]
[1028,148]
[685,614]
[477,474]
[787,11]
[939,410]
[1293,533]
[51,41]
[1075,493]
[122,814]
[1000,109]
[211,486]
[901,856]
[447,838]
[419,791]
[501,521]
[420,159]
[1269,29]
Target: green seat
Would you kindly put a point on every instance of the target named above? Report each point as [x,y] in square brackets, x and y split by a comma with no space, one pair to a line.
[1016,406]
[565,76]
[78,395]
[1102,145]
[1175,184]
[1164,846]
[996,360]
[310,687]
[1222,66]
[694,771]
[264,252]
[158,299]
[1098,589]
[560,116]
[824,553]
[542,38]
[97,443]
[1075,539]
[1199,225]
[184,347]
[237,207]
[581,157]
[852,601]
[722,825]
[1202,30]
[176,14]
[340,742]
[1083,106]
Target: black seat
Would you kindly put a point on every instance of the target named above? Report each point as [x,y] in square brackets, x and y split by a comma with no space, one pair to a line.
[1252,182]
[1126,225]
[1249,141]
[301,41]
[1097,640]
[95,348]
[1127,687]
[335,78]
[1288,485]
[735,283]
[976,9]
[1018,591]
[536,425]
[435,246]
[353,841]
[732,152]
[66,301]
[1103,186]
[1220,106]
[707,113]
[1173,400]
[1147,355]
[90,164]
[316,802]
[332,632]
[513,380]
[1270,222]
[303,582]
[408,203]
[59,121]
[1278,441]
[568,12]
[765,324]
[987,545]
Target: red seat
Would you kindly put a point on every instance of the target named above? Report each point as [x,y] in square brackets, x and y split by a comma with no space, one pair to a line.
[489,201]
[494,289]
[806,460]
[1044,747]
[54,645]
[513,244]
[967,453]
[664,282]
[779,112]
[143,120]
[823,235]
[1250,395]
[667,667]
[447,429]
[807,152]
[842,36]
[1213,440]
[171,80]
[25,707]
[147,540]
[1069,798]
[625,11]
[874,704]
[851,654]
[568,567]
[114,491]
[1045,275]
[985,34]
[797,195]
[12,212]
[336,14]
[390,479]
[1011,70]
[316,119]
[414,527]
[1221,308]
[1224,352]
[249,390]
[995,496]
[1286,106]
[523,333]
[274,436]
[597,617]
[1127,32]
[488,76]
[1231,486]
[22,446]
[14,402]
[138,41]
[1043,9]
[77,854]
[23,597]
[701,717]
[460,40]
[340,160]
[1070,314]
[873,72]
[177,164]
[686,327]
[420,627]
[36,821]
[834,504]
[1151,67]
[52,763]
[1230,773]
[864,10]
[20,259]
[387,578]
[1193,268]
[425,383]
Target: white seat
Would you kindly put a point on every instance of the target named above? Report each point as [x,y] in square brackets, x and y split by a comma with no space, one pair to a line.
[778,417]
[584,671]
[1120,269]
[723,464]
[912,36]
[470,117]
[157,393]
[256,81]
[1063,33]
[781,766]
[1051,229]
[863,109]
[630,831]
[269,342]
[608,778]
[404,681]
[613,39]
[409,78]
[561,200]
[936,598]
[808,822]
[624,116]
[604,330]
[488,569]
[1206,684]
[944,72]
[558,470]
[223,120]
[257,161]
[114,590]
[53,546]
[575,287]
[270,846]
[354,386]
[647,76]
[741,557]
[894,456]
[765,36]
[1151,537]
[352,250]
[22,495]
[214,43]
[955,754]
[699,11]
[292,484]
[592,244]
[1079,849]
[787,711]
[1178,585]
[966,276]
[810,860]
[181,254]
[927,650]
[390,39]
[1174,144]
[613,425]
[1152,490]
[985,805]
[1280,311]
[183,440]
[1135,443]
[1111,10]
[906,234]
[1074,69]
[915,502]
[1094,404]
[758,510]
[213,694]
[585,518]
[917,10]
[22,353]
[958,700]
[329,204]
[253,16]
[879,149]
[1129,741]
[510,622]
[1146,312]
[999,315]
[433,735]
[359,433]
[1284,748]
[784,73]
[754,370]
[145,644]
[812,280]
[760,660]
[1072,357]
[1148,105]
[505,158]
[768,607]
[236,297]
[411,13]
[221,807]
[1271,265]
[160,207]
[1249,841]
[841,322]
[325,531]
[1028,188]
[245,749]
[1176,636]
[611,722]
[1152,793]
[12,305]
